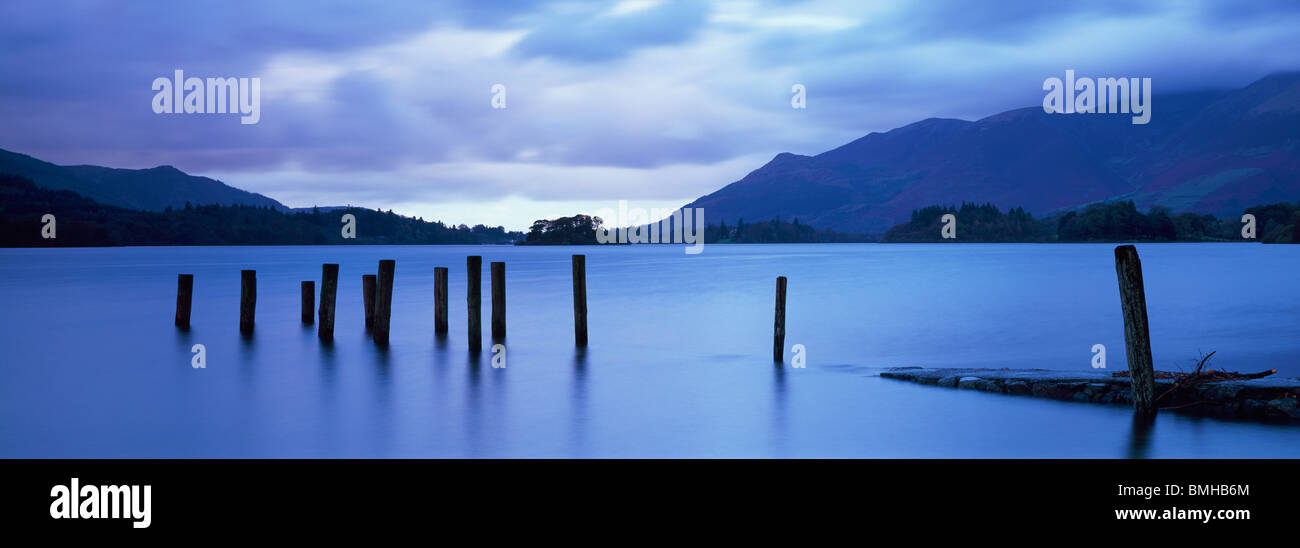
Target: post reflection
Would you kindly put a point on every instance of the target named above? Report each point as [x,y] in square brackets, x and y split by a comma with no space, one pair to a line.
[473,403]
[1139,443]
[779,446]
[578,397]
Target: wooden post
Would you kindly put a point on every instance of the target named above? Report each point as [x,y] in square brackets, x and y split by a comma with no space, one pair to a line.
[247,300]
[329,286]
[474,300]
[368,298]
[383,300]
[1137,339]
[308,301]
[580,300]
[778,328]
[498,300]
[440,300]
[184,296]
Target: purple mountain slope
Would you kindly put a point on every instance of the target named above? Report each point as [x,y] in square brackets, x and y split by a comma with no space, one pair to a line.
[1210,152]
[153,189]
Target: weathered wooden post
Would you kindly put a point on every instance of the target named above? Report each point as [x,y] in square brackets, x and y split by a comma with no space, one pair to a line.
[184,296]
[308,301]
[368,298]
[1137,339]
[580,300]
[778,328]
[440,300]
[329,286]
[383,300]
[247,300]
[498,300]
[474,300]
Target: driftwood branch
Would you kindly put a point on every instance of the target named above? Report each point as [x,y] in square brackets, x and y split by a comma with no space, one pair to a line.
[1198,376]
[1204,359]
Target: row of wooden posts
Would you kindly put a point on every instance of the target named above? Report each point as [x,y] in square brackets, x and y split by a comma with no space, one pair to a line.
[377,296]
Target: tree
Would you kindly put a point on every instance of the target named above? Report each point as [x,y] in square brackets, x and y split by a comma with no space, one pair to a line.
[575,230]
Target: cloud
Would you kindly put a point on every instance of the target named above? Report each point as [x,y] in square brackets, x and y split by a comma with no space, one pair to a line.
[485,192]
[389,104]
[595,35]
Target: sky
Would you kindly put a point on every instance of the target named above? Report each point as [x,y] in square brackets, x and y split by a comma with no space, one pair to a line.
[389,104]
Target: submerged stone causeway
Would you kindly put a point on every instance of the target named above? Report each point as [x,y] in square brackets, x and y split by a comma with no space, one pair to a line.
[1272,399]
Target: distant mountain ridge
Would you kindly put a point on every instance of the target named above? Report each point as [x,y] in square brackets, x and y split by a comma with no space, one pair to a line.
[153,189]
[1214,152]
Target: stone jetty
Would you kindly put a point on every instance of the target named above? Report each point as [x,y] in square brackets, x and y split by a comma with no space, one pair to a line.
[1271,399]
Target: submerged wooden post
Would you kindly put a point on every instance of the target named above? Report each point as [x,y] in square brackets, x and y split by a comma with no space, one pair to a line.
[498,300]
[329,286]
[580,300]
[368,298]
[184,296]
[247,300]
[474,300]
[1137,338]
[383,300]
[440,300]
[308,301]
[778,327]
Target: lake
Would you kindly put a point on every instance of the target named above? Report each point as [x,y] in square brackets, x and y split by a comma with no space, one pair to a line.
[679,362]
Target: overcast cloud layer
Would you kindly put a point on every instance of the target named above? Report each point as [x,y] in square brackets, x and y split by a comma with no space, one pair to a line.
[388,104]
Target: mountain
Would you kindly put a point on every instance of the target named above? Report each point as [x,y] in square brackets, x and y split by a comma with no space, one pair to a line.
[1214,152]
[153,189]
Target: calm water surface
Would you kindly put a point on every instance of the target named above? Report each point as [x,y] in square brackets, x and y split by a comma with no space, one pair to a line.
[678,365]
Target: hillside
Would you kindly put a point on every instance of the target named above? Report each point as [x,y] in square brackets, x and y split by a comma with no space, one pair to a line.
[153,189]
[1210,152]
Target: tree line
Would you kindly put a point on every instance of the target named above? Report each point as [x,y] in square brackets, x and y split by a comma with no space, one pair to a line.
[1101,222]
[581,230]
[80,221]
